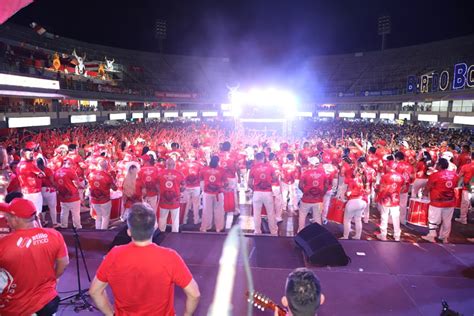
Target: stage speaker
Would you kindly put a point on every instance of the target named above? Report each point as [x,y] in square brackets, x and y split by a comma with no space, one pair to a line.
[122,237]
[321,247]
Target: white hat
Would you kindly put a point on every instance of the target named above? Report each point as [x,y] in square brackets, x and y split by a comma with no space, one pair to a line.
[405,144]
[313,161]
[447,155]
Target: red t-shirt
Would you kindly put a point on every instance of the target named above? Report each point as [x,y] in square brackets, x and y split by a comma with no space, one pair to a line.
[356,189]
[67,191]
[289,173]
[214,179]
[170,188]
[421,170]
[304,154]
[374,161]
[408,173]
[228,162]
[143,278]
[464,159]
[262,175]
[27,173]
[390,187]
[100,183]
[467,172]
[347,170]
[441,186]
[14,185]
[27,271]
[191,172]
[276,165]
[148,178]
[77,163]
[314,184]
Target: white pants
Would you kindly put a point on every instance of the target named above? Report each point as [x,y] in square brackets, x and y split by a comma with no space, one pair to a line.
[289,191]
[299,193]
[304,210]
[152,200]
[103,215]
[75,209]
[437,216]
[326,202]
[213,206]
[341,189]
[164,218]
[37,199]
[403,208]
[465,204]
[192,196]
[417,187]
[394,211]
[354,209]
[259,199]
[277,202]
[367,209]
[50,199]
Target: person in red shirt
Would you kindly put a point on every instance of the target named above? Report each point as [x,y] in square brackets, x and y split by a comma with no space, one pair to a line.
[151,273]
[48,191]
[261,177]
[228,162]
[465,156]
[130,188]
[305,153]
[388,199]
[30,176]
[289,175]
[147,181]
[14,185]
[465,176]
[191,169]
[171,185]
[332,173]
[67,186]
[213,183]
[100,183]
[314,184]
[408,172]
[441,187]
[421,175]
[32,259]
[276,188]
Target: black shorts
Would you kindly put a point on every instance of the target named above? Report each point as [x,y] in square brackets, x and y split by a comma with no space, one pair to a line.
[50,308]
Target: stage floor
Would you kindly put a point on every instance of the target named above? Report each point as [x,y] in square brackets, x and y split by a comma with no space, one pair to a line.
[386,278]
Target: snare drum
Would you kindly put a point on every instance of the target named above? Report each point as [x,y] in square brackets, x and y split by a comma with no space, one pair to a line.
[418,212]
[458,197]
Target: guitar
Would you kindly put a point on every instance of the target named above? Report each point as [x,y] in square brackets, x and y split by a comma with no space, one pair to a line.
[262,303]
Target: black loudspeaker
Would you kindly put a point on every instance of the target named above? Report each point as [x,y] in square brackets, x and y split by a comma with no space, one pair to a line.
[321,247]
[122,237]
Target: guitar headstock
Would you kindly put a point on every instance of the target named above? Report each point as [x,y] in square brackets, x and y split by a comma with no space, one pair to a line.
[263,302]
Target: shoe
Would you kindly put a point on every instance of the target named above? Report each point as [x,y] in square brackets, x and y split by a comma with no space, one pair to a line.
[56,225]
[381,237]
[279,219]
[325,221]
[397,239]
[343,238]
[445,241]
[461,221]
[470,240]
[428,238]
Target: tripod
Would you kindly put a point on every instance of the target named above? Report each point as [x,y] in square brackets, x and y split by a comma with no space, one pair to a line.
[79,299]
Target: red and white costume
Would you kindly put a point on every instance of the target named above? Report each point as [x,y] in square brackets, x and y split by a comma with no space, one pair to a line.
[314,183]
[30,176]
[388,199]
[68,195]
[100,183]
[170,182]
[263,175]
[213,181]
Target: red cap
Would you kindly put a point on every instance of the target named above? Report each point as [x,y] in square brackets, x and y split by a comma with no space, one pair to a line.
[30,145]
[19,207]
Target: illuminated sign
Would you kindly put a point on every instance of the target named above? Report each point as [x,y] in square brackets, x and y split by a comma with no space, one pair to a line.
[171,114]
[368,115]
[21,81]
[190,114]
[209,114]
[403,116]
[428,117]
[466,120]
[117,116]
[347,114]
[387,116]
[154,115]
[137,115]
[16,122]
[326,114]
[83,119]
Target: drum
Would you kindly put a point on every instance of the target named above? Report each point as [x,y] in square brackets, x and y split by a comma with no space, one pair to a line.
[458,197]
[229,201]
[418,212]
[336,210]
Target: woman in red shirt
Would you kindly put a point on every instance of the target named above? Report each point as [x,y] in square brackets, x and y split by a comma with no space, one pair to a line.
[130,189]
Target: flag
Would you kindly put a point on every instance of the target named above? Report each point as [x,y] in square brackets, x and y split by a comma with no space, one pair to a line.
[10,7]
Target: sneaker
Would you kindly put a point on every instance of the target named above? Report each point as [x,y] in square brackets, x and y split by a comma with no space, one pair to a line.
[325,221]
[381,237]
[428,238]
[343,238]
[461,221]
[397,239]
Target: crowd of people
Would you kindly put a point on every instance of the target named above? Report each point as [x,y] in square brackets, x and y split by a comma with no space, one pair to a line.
[171,164]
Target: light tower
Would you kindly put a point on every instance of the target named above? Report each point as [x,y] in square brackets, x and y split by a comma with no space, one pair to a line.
[160,32]
[384,28]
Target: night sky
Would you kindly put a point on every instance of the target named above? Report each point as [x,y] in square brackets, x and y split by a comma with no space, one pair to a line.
[246,29]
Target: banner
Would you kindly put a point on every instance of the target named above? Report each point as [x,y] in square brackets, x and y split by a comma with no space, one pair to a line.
[178,95]
[10,7]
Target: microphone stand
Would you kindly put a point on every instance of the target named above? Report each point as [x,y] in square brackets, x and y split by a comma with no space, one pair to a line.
[79,298]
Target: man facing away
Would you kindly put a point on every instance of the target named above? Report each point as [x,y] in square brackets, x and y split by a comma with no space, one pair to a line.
[142,274]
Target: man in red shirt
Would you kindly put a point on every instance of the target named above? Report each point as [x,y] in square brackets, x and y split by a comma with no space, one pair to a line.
[171,185]
[332,173]
[228,162]
[441,187]
[67,186]
[289,175]
[30,176]
[408,173]
[142,275]
[465,156]
[388,199]
[465,176]
[78,166]
[31,261]
[314,184]
[276,188]
[147,181]
[191,169]
[100,183]
[213,183]
[48,191]
[261,177]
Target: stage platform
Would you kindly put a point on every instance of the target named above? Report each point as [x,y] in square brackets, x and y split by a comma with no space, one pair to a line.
[386,278]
